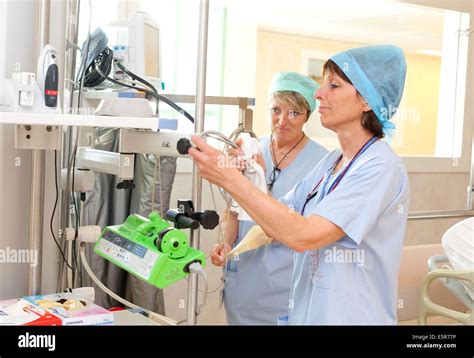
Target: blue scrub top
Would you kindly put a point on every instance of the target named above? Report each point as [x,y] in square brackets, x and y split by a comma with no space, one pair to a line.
[354,280]
[258,282]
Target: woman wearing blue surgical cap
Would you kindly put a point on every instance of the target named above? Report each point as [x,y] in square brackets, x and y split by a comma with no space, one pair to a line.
[346,220]
[257,284]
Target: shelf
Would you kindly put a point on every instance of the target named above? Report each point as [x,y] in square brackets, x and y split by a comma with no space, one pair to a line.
[55,119]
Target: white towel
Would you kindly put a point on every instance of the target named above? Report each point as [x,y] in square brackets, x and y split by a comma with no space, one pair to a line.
[253,172]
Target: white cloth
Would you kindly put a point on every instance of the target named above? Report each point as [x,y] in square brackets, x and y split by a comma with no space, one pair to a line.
[458,244]
[253,172]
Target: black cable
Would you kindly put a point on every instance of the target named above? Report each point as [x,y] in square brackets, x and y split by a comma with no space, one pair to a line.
[103,61]
[135,77]
[155,93]
[157,96]
[73,160]
[54,208]
[107,56]
[76,226]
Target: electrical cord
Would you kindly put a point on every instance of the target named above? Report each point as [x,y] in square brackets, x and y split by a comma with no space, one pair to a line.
[79,79]
[76,227]
[92,77]
[72,161]
[54,209]
[149,92]
[135,77]
[219,136]
[227,142]
[100,68]
[123,301]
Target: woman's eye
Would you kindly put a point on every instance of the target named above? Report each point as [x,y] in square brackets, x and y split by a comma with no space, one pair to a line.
[274,110]
[332,85]
[293,114]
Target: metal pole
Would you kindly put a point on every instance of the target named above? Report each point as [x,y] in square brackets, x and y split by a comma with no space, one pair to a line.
[35,236]
[72,25]
[198,128]
[470,188]
[42,25]
[35,239]
[430,215]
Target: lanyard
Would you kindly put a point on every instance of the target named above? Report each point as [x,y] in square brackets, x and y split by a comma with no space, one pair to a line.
[336,182]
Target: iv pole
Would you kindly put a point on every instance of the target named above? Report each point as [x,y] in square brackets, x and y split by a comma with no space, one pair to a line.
[198,128]
[35,236]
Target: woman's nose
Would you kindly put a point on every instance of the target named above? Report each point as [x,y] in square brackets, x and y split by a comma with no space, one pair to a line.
[284,117]
[319,93]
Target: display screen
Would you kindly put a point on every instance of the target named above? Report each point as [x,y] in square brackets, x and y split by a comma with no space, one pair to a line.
[152,61]
[125,244]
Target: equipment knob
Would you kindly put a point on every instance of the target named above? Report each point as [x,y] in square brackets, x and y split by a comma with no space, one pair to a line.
[183,146]
[209,219]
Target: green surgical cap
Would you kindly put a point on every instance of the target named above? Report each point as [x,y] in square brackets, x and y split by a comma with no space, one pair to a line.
[295,82]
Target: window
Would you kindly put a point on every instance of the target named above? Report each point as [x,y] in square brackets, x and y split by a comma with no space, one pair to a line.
[251,40]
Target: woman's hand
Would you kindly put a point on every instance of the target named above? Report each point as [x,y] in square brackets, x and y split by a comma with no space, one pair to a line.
[214,165]
[238,155]
[219,252]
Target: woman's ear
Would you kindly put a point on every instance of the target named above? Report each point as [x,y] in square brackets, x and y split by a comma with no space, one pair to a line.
[366,107]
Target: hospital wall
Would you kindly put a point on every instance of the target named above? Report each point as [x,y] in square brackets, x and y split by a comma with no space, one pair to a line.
[418,109]
[15,164]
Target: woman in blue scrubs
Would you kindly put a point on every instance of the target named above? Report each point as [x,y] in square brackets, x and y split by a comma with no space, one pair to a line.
[346,220]
[257,283]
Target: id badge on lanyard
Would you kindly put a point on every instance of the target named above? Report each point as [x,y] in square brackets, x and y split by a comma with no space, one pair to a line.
[336,182]
[317,277]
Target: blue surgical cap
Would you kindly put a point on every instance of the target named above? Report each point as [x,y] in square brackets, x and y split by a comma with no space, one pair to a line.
[378,74]
[295,82]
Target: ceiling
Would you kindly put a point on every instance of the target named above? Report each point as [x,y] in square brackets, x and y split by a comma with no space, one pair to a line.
[410,26]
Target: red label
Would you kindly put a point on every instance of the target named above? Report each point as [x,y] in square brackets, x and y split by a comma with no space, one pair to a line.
[51,92]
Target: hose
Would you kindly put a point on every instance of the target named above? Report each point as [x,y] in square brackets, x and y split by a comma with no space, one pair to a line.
[160,318]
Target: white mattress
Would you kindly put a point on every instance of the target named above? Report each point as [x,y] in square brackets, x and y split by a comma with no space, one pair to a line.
[458,244]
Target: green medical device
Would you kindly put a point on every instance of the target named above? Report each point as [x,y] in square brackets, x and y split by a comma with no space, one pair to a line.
[151,249]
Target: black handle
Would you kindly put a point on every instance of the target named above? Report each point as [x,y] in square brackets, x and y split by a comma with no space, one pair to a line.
[181,220]
[183,146]
[209,219]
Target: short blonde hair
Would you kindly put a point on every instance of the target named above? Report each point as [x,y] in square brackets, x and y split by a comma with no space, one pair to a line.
[291,98]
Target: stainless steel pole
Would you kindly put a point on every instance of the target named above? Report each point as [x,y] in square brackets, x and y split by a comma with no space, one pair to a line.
[430,215]
[35,236]
[198,128]
[72,34]
[470,187]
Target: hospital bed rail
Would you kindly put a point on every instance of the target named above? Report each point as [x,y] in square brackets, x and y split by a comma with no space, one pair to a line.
[450,278]
[443,214]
